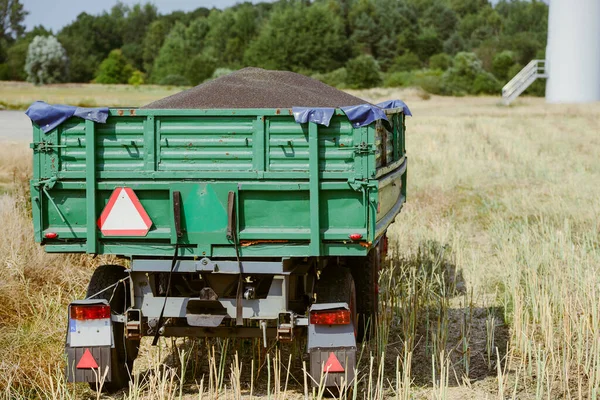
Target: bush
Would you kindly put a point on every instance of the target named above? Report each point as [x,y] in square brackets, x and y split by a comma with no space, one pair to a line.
[502,64]
[441,61]
[460,78]
[219,72]
[363,72]
[336,78]
[430,80]
[406,62]
[201,68]
[486,83]
[137,78]
[399,79]
[46,61]
[174,80]
[114,69]
[5,72]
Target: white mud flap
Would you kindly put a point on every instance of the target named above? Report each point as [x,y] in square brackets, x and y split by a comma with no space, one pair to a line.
[332,347]
[89,341]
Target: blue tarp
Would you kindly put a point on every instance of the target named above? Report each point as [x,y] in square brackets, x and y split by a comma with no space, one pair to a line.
[359,115]
[363,114]
[395,104]
[318,115]
[48,116]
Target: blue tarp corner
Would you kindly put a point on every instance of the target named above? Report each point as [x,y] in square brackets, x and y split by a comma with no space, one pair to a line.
[364,114]
[395,104]
[49,116]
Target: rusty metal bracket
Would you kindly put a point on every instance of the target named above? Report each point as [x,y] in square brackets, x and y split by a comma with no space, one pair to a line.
[364,148]
[177,213]
[45,147]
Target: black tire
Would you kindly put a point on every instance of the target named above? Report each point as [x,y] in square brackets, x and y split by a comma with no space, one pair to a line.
[125,351]
[336,285]
[365,271]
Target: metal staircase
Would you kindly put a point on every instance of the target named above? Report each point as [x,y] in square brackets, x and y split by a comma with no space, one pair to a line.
[517,85]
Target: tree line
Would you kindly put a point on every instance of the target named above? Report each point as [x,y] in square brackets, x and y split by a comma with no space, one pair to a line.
[444,46]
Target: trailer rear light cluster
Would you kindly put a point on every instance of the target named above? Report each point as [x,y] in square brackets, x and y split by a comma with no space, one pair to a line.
[355,236]
[99,311]
[51,235]
[330,317]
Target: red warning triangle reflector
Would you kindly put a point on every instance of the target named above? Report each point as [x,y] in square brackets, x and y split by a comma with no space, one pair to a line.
[333,364]
[124,215]
[87,360]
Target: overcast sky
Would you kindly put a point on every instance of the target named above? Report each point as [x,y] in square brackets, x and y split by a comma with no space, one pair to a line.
[55,14]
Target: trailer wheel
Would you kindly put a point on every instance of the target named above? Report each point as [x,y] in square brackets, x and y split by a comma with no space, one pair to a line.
[336,285]
[365,271]
[125,351]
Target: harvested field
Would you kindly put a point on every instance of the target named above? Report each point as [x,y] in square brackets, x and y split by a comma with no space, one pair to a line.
[491,292]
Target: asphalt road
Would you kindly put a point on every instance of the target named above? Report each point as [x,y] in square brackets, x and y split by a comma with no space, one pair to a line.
[14,126]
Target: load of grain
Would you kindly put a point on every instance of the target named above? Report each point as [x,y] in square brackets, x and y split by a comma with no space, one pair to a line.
[259,88]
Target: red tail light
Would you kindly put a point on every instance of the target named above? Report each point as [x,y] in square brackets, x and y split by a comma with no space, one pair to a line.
[330,317]
[355,236]
[99,311]
[51,235]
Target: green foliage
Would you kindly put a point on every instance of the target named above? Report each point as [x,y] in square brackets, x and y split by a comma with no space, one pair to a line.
[502,63]
[363,72]
[399,79]
[230,32]
[12,16]
[137,78]
[88,40]
[441,61]
[406,62]
[174,80]
[454,44]
[430,80]
[525,46]
[441,18]
[153,41]
[219,72]
[336,78]
[114,69]
[459,79]
[16,56]
[46,61]
[172,57]
[428,44]
[300,37]
[201,68]
[134,26]
[486,83]
[5,72]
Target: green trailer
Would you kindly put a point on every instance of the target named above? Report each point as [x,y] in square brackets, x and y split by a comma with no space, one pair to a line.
[230,222]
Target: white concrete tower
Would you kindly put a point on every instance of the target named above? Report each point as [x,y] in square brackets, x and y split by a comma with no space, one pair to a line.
[573,51]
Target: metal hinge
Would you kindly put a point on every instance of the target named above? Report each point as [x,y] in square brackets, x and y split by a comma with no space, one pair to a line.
[45,147]
[361,185]
[364,148]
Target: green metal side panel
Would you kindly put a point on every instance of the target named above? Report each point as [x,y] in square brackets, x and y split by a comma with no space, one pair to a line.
[300,190]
